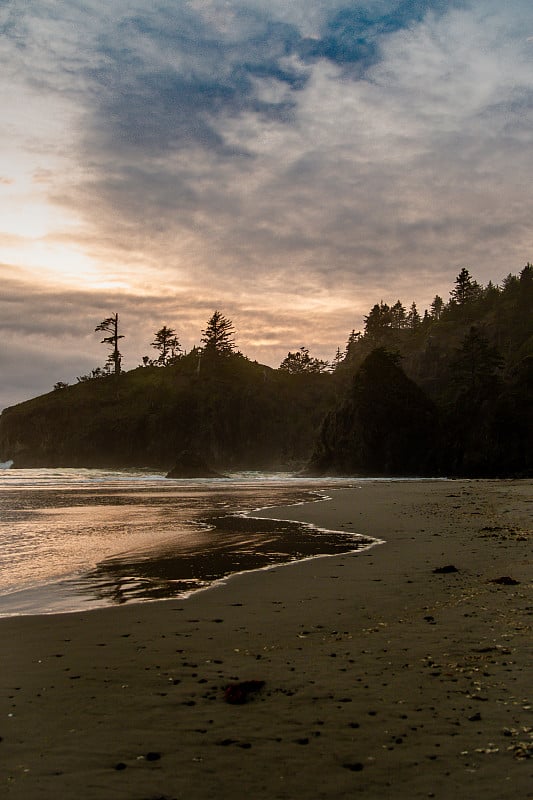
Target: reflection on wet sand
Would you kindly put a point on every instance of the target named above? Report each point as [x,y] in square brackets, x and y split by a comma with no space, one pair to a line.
[70,542]
[228,544]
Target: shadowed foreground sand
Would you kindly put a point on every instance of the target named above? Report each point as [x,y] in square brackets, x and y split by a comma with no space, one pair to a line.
[383,679]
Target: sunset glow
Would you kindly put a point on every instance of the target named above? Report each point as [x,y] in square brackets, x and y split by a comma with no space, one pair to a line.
[291,164]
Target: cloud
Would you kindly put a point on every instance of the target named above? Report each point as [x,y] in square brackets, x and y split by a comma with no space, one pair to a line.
[249,180]
[165,78]
[290,163]
[49,334]
[353,34]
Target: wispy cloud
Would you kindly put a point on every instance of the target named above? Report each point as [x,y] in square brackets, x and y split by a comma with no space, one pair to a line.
[280,160]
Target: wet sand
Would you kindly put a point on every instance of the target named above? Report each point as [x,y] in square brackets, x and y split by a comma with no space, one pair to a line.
[382,678]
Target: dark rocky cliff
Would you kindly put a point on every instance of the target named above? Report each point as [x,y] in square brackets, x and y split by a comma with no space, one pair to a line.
[385,425]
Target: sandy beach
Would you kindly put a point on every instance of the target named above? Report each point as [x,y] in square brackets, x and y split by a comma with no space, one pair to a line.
[383,678]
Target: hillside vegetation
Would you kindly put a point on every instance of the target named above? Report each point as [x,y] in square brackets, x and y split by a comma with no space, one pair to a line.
[446,392]
[236,413]
[461,401]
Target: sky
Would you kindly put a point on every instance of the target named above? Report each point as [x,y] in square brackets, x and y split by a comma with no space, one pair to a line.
[289,163]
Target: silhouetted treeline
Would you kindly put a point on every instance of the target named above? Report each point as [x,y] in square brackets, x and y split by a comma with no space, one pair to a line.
[235,413]
[446,392]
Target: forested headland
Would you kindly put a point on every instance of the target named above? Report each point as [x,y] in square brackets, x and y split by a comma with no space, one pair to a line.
[443,392]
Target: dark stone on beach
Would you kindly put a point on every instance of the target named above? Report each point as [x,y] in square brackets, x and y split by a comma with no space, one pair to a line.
[445,570]
[152,756]
[120,766]
[505,580]
[355,767]
[192,465]
[238,693]
[475,717]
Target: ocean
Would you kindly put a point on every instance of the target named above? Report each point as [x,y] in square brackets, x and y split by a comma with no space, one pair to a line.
[77,539]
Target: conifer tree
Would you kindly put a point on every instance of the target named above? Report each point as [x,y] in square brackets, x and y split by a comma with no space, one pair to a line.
[466,289]
[338,359]
[218,338]
[110,325]
[378,320]
[398,315]
[167,343]
[353,339]
[301,361]
[436,307]
[413,317]
[477,363]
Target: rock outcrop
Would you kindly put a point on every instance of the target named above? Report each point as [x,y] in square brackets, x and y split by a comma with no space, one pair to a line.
[385,425]
[192,465]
